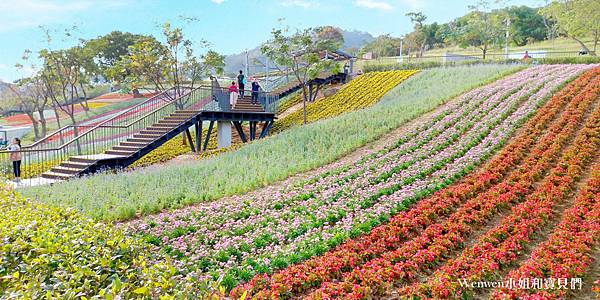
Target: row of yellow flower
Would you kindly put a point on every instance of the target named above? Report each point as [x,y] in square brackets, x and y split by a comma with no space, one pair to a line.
[361,92]
[176,147]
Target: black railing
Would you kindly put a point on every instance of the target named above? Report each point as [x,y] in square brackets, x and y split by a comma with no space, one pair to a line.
[87,141]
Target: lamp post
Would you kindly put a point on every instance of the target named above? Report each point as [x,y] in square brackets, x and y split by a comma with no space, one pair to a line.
[401,45]
[507,36]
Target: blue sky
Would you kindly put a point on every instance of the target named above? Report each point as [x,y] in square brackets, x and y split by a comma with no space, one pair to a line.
[229,25]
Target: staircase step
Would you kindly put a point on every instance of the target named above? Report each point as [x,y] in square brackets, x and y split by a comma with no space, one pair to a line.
[66,170]
[134,144]
[120,152]
[126,148]
[187,111]
[75,164]
[57,176]
[147,136]
[164,124]
[177,117]
[154,132]
[171,123]
[158,128]
[140,140]
[82,160]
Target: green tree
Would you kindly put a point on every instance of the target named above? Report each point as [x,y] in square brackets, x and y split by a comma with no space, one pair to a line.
[383,45]
[301,52]
[576,19]
[164,65]
[214,62]
[106,50]
[527,25]
[146,63]
[480,29]
[420,36]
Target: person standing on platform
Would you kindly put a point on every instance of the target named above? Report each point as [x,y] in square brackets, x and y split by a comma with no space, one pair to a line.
[255,89]
[14,155]
[233,94]
[241,83]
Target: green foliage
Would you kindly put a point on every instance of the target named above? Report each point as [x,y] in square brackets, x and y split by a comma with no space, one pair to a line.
[576,19]
[527,25]
[479,29]
[163,65]
[54,253]
[109,48]
[108,196]
[383,45]
[301,52]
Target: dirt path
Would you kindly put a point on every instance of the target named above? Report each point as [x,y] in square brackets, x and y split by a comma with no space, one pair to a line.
[290,110]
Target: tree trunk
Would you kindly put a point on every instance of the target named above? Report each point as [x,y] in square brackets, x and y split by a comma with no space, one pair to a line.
[585,48]
[36,127]
[57,116]
[84,103]
[44,129]
[304,102]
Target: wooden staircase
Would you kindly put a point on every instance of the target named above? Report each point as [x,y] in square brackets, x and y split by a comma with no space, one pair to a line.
[78,165]
[245,105]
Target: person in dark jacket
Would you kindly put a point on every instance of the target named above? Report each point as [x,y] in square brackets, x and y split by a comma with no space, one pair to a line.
[241,79]
[255,90]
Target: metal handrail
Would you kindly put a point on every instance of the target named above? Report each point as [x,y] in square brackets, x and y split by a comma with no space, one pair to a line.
[109,133]
[59,131]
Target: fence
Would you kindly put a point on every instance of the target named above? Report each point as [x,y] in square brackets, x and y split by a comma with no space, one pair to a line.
[87,141]
[467,56]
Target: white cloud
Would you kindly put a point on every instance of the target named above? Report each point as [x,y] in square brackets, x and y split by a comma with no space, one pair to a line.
[374,4]
[31,13]
[217,1]
[301,3]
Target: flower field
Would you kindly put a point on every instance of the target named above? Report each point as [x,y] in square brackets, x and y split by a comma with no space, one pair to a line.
[361,92]
[129,194]
[423,251]
[257,235]
[499,183]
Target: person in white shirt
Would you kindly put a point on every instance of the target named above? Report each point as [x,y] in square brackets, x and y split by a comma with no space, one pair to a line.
[15,156]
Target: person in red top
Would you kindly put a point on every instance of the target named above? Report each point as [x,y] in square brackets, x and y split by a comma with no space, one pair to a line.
[526,56]
[233,93]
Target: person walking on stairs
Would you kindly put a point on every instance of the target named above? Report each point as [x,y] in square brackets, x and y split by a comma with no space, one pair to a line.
[233,94]
[241,79]
[15,156]
[255,89]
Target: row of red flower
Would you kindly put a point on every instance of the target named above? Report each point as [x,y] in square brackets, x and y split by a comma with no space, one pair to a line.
[499,247]
[437,240]
[353,253]
[566,254]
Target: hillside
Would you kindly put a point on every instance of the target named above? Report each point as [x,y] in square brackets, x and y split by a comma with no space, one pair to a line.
[555,45]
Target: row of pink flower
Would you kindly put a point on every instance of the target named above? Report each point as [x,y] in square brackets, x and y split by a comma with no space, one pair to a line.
[353,252]
[500,246]
[211,237]
[438,239]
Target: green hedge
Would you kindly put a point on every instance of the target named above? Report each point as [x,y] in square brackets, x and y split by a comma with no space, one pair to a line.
[435,64]
[48,252]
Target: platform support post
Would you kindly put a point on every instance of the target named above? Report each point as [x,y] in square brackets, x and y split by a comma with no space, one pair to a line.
[224,134]
[240,130]
[198,128]
[190,141]
[210,127]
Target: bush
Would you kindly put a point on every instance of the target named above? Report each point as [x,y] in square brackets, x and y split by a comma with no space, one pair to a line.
[50,252]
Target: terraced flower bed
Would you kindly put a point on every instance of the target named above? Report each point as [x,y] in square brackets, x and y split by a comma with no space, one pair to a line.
[251,236]
[361,92]
[419,240]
